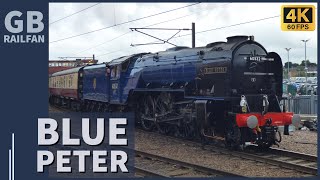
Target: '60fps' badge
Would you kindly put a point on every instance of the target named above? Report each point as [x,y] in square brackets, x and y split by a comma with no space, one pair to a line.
[298,18]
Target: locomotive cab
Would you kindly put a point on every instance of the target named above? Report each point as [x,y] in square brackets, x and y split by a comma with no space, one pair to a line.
[121,78]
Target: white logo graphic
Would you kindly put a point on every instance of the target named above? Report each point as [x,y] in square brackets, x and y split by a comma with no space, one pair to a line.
[14,24]
[11,160]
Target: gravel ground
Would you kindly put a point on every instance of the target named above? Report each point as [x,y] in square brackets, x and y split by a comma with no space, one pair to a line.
[166,147]
[300,141]
[167,169]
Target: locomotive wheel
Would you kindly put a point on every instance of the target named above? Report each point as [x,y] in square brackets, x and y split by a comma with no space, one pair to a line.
[147,113]
[163,129]
[186,130]
[232,138]
[162,105]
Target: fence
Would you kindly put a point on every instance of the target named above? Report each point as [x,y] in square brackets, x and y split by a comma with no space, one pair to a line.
[304,104]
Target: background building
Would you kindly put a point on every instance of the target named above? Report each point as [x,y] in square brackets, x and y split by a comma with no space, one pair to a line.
[60,65]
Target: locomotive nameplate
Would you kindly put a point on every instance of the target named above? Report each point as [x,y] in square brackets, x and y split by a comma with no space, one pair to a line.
[215,70]
[298,18]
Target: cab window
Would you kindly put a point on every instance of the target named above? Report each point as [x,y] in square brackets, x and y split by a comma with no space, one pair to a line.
[125,65]
[118,71]
[113,72]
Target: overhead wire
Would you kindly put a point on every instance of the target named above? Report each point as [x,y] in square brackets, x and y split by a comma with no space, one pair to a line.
[238,24]
[131,31]
[223,27]
[74,13]
[126,22]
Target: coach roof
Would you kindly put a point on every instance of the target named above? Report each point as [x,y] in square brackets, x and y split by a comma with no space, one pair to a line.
[68,71]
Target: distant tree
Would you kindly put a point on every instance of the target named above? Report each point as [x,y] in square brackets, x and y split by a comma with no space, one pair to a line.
[294,65]
[291,65]
[303,63]
[286,65]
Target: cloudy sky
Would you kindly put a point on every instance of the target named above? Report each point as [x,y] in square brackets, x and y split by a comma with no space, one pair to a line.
[68,28]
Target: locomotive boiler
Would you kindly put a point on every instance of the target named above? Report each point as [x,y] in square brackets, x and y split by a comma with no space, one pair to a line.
[226,89]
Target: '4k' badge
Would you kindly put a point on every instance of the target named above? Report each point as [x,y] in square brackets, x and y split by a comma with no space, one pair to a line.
[298,18]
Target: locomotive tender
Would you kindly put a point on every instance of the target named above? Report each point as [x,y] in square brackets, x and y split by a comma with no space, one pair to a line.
[226,89]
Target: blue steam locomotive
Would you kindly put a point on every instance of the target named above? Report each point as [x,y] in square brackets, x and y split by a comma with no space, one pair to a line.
[226,89]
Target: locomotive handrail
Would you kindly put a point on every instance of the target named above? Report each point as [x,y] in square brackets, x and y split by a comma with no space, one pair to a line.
[172,58]
[180,60]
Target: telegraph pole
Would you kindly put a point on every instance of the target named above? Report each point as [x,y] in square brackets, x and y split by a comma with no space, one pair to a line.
[288,49]
[193,35]
[305,57]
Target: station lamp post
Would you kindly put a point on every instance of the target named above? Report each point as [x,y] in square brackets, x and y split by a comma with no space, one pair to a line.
[288,49]
[305,57]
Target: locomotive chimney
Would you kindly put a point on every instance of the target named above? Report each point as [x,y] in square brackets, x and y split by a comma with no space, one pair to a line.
[251,38]
[232,39]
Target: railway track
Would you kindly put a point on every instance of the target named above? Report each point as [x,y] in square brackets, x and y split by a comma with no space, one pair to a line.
[142,172]
[286,159]
[168,167]
[152,165]
[304,163]
[139,171]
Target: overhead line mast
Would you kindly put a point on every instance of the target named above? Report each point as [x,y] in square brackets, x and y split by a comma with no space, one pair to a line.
[164,29]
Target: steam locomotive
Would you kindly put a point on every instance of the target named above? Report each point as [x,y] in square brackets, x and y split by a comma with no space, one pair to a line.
[226,89]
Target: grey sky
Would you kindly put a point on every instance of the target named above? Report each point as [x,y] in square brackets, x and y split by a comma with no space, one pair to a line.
[205,15]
